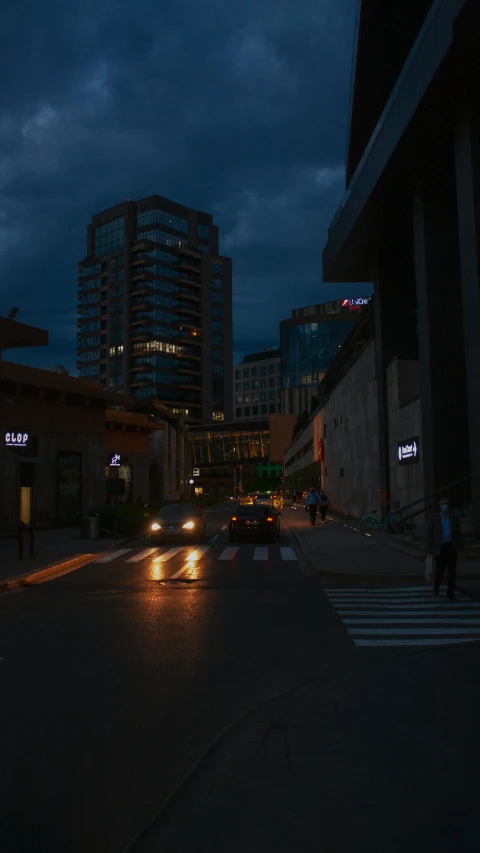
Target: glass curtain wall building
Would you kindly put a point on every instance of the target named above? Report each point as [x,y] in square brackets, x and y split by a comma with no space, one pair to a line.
[155,308]
[309,342]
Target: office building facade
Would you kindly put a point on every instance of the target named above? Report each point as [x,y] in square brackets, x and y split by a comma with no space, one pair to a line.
[410,222]
[256,390]
[155,308]
[309,342]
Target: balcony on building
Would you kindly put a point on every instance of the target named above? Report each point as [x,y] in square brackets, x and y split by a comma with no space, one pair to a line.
[143,246]
[143,276]
[184,250]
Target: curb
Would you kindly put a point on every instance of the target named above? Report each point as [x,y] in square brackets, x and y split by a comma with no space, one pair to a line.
[362,577]
[73,563]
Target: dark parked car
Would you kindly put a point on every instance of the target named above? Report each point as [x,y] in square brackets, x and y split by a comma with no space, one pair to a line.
[252,522]
[177,520]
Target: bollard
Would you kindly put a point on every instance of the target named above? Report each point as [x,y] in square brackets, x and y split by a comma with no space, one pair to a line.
[20,542]
[32,539]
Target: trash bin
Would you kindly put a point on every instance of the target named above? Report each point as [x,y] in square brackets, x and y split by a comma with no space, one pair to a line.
[90,527]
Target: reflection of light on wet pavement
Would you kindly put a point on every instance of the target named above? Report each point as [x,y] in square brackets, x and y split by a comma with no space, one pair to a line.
[191,563]
[158,569]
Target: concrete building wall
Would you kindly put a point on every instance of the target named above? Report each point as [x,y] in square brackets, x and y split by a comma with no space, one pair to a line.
[350,470]
[404,422]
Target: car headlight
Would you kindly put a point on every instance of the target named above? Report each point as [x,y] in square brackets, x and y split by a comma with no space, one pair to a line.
[189,525]
[155,526]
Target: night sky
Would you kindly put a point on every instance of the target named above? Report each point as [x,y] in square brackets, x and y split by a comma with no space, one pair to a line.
[234,107]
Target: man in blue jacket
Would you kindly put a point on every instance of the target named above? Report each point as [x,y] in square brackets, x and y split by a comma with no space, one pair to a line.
[312,503]
[444,540]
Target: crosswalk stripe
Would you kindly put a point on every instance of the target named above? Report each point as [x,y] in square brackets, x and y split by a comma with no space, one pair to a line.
[459,606]
[141,555]
[419,642]
[399,620]
[228,554]
[260,554]
[193,558]
[420,631]
[395,613]
[405,617]
[114,555]
[365,601]
[288,554]
[170,553]
[366,589]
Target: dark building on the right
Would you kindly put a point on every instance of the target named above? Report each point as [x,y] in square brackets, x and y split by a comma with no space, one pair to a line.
[410,222]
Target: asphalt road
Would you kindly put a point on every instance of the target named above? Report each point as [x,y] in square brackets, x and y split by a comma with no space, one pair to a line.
[116,676]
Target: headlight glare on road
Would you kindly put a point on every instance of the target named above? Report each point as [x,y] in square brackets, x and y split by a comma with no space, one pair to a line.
[155,526]
[189,525]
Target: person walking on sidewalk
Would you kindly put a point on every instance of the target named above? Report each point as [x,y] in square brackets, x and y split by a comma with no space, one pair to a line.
[444,540]
[323,504]
[312,502]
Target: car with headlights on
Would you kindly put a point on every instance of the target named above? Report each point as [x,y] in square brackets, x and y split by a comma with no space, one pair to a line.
[175,521]
[254,522]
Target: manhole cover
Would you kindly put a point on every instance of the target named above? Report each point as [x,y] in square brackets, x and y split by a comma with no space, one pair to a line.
[102,592]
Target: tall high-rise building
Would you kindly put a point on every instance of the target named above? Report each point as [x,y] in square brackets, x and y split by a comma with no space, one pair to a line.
[155,308]
[257,385]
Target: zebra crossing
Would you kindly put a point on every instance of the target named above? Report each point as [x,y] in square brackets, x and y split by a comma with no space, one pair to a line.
[407,616]
[194,553]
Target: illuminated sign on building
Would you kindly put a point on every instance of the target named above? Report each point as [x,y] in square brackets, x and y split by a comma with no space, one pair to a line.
[408,450]
[114,460]
[196,472]
[358,302]
[16,439]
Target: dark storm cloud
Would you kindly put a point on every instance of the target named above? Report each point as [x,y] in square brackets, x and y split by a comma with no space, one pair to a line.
[236,108]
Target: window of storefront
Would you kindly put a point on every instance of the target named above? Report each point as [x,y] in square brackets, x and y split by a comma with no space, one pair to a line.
[69,487]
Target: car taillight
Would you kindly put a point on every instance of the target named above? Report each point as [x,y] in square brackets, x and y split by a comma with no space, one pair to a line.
[233,518]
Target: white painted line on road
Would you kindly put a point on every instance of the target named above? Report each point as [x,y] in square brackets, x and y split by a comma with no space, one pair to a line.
[224,527]
[366,601]
[395,590]
[451,642]
[288,554]
[141,556]
[215,538]
[114,555]
[260,554]
[228,554]
[404,608]
[443,631]
[193,558]
[384,593]
[431,611]
[169,554]
[399,620]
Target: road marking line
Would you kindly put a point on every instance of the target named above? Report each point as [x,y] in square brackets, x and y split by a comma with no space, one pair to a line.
[288,554]
[431,612]
[375,601]
[451,642]
[399,620]
[193,558]
[397,589]
[215,537]
[228,554]
[110,557]
[260,554]
[141,556]
[405,608]
[443,631]
[224,527]
[169,554]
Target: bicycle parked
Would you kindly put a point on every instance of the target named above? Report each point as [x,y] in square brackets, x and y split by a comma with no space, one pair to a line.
[393,523]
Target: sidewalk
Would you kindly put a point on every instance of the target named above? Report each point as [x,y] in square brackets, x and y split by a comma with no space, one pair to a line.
[338,550]
[343,764]
[53,549]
